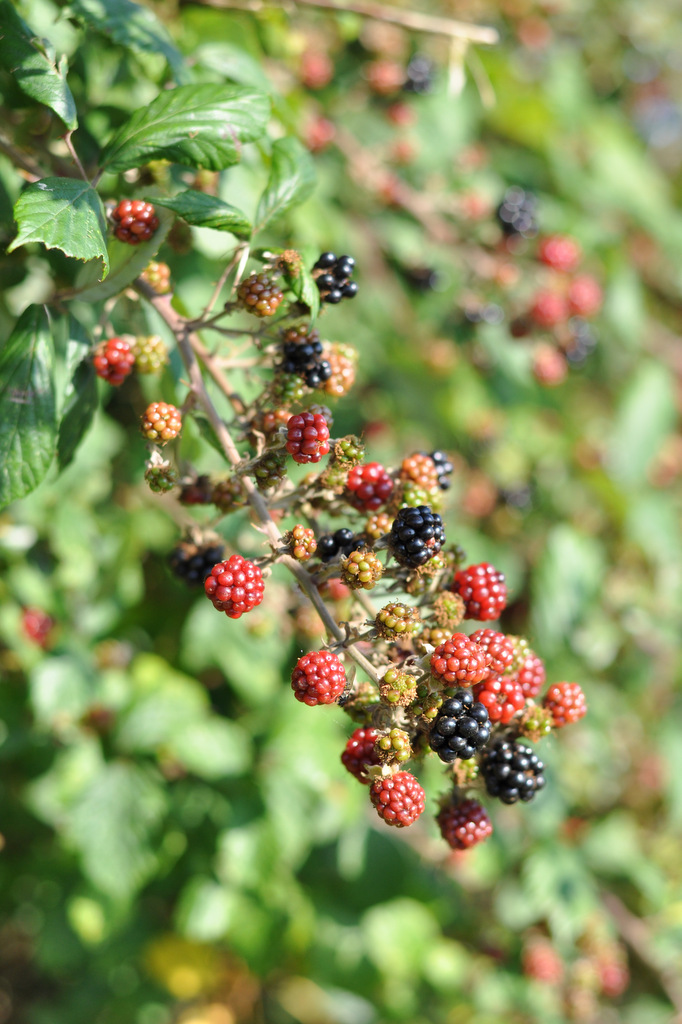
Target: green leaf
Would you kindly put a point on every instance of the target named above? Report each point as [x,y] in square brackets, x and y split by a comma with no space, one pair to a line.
[207,212]
[27,405]
[31,61]
[567,578]
[111,826]
[212,749]
[292,180]
[234,63]
[60,692]
[126,261]
[77,384]
[198,125]
[302,284]
[66,214]
[646,416]
[134,27]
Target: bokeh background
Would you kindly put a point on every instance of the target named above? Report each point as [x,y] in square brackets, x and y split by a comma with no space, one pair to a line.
[180,841]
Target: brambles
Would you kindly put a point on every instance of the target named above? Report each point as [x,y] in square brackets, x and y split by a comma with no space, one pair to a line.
[463,825]
[307,437]
[192,562]
[158,277]
[369,486]
[462,727]
[161,422]
[37,626]
[333,277]
[512,771]
[461,661]
[361,570]
[483,591]
[397,620]
[499,647]
[301,542]
[135,221]
[566,704]
[160,475]
[235,586]
[114,360]
[398,799]
[417,535]
[359,753]
[502,697]
[260,295]
[399,689]
[303,356]
[150,353]
[517,213]
[342,541]
[318,678]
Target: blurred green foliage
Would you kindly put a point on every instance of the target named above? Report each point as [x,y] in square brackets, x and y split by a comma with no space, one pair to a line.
[181,840]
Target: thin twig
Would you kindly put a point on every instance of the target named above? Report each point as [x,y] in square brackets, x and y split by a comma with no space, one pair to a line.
[75,157]
[236,257]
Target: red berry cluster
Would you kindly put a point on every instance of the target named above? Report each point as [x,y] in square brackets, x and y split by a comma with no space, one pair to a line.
[161,422]
[369,486]
[235,586]
[460,661]
[464,824]
[113,360]
[307,437]
[318,678]
[359,753]
[135,221]
[483,590]
[37,626]
[398,799]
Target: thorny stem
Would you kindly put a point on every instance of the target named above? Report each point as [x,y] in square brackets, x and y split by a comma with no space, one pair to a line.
[189,346]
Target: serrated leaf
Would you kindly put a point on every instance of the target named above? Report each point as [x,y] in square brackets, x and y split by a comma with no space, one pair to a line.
[27,405]
[197,125]
[292,180]
[233,63]
[134,27]
[32,64]
[126,263]
[111,825]
[66,214]
[207,212]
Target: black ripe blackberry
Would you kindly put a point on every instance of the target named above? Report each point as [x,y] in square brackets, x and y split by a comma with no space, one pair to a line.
[302,356]
[462,727]
[419,75]
[512,771]
[416,535]
[333,277]
[193,562]
[517,213]
[444,468]
[342,542]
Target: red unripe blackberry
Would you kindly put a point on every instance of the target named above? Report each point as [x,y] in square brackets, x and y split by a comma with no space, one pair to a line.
[37,626]
[307,437]
[302,543]
[318,678]
[499,647]
[483,590]
[460,661]
[114,360]
[317,69]
[550,367]
[540,961]
[585,296]
[531,676]
[566,703]
[369,486]
[235,586]
[420,468]
[158,277]
[319,133]
[398,799]
[501,696]
[161,422]
[548,309]
[559,252]
[465,824]
[360,753]
[136,221]
[260,295]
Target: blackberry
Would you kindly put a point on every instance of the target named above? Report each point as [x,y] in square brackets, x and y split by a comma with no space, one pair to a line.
[113,360]
[444,469]
[512,771]
[260,295]
[332,274]
[517,213]
[302,356]
[135,221]
[419,75]
[270,469]
[193,562]
[343,541]
[462,727]
[416,535]
[464,824]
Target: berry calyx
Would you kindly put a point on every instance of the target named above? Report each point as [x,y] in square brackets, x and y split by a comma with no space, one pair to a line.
[361,570]
[416,535]
[559,252]
[460,661]
[512,771]
[235,586]
[502,697]
[260,295]
[462,727]
[566,704]
[307,437]
[161,422]
[396,621]
[318,678]
[464,824]
[359,753]
[135,221]
[483,590]
[113,360]
[398,799]
[369,486]
[150,353]
[499,647]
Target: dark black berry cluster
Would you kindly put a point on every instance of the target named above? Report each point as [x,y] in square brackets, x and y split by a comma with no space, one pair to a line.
[444,468]
[334,277]
[302,355]
[583,341]
[512,771]
[416,535]
[461,728]
[342,542]
[419,75]
[192,563]
[517,213]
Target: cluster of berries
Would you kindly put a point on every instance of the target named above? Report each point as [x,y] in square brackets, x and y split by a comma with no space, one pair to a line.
[302,355]
[115,358]
[333,277]
[134,221]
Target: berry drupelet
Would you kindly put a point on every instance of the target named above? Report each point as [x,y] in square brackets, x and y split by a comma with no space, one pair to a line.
[235,586]
[460,660]
[114,360]
[342,541]
[318,678]
[517,213]
[398,799]
[462,727]
[307,437]
[369,486]
[135,221]
[359,753]
[512,772]
[416,535]
[483,590]
[332,274]
[464,824]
